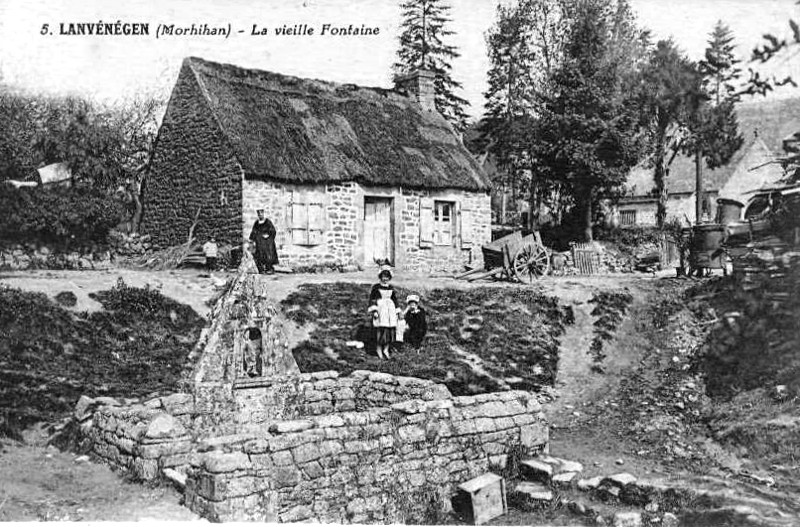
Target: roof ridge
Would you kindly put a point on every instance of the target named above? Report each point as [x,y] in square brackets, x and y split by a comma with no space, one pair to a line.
[333,86]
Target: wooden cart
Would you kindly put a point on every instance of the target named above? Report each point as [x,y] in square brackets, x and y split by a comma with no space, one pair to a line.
[513,257]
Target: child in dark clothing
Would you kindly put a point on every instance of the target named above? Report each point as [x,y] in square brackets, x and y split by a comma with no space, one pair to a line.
[416,322]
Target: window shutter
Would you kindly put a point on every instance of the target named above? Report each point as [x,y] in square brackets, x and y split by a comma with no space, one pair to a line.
[316,223]
[466,227]
[316,217]
[425,222]
[299,224]
[289,217]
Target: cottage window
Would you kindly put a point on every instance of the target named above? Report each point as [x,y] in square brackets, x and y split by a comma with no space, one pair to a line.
[308,221]
[444,222]
[627,217]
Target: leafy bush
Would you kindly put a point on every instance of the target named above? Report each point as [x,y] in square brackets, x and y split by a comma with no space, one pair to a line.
[610,308]
[632,237]
[66,298]
[61,217]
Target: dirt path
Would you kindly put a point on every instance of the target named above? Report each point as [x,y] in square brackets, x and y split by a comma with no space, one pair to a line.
[39,483]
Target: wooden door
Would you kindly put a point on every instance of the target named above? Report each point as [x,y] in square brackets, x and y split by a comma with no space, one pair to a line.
[378,245]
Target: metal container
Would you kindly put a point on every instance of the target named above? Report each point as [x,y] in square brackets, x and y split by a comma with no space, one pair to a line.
[707,237]
[728,211]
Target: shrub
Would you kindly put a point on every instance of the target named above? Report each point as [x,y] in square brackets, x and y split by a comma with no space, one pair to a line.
[629,236]
[67,298]
[60,217]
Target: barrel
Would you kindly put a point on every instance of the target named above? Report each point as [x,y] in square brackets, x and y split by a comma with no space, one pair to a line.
[728,211]
[707,237]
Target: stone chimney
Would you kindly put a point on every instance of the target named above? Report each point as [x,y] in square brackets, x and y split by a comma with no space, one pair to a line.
[419,86]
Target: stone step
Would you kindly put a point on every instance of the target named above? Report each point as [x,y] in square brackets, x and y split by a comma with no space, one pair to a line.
[564,480]
[534,470]
[534,493]
[560,465]
[550,470]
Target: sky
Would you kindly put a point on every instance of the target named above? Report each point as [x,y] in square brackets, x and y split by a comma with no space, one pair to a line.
[113,67]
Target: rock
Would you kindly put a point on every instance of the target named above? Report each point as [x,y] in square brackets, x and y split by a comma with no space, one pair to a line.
[651,507]
[620,461]
[287,427]
[82,459]
[561,465]
[577,507]
[535,470]
[534,492]
[176,477]
[220,462]
[670,520]
[620,480]
[627,519]
[164,426]
[564,479]
[589,484]
[82,408]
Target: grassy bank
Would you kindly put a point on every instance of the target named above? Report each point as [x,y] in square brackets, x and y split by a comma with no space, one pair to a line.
[50,355]
[479,341]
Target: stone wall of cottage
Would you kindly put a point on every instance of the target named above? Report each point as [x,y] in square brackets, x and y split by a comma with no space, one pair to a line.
[341,242]
[679,206]
[193,169]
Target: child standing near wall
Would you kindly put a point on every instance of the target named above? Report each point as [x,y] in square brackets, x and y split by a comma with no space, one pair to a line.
[384,310]
[211,252]
[416,322]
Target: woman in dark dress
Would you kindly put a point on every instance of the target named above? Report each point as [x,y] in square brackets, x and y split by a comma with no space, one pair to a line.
[263,235]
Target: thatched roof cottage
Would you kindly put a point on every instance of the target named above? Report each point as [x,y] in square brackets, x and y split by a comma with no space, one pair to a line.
[348,175]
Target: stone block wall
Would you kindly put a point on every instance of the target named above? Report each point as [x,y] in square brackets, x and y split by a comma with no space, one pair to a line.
[260,401]
[391,464]
[142,438]
[395,456]
[193,168]
[285,446]
[341,242]
[18,257]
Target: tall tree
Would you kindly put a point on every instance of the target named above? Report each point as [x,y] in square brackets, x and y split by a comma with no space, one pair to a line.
[720,66]
[509,96]
[425,28]
[671,81]
[715,133]
[589,133]
[524,47]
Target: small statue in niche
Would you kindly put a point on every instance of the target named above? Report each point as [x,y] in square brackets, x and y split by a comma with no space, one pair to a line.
[252,363]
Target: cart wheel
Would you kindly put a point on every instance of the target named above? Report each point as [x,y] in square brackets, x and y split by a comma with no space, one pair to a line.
[530,262]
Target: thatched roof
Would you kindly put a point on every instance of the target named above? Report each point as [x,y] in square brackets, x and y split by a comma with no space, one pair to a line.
[769,121]
[311,131]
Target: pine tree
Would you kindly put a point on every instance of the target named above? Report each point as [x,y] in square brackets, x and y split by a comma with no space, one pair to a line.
[719,66]
[422,46]
[715,130]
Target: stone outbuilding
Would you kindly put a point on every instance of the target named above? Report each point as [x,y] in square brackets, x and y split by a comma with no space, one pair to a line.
[764,125]
[348,175]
